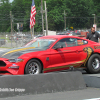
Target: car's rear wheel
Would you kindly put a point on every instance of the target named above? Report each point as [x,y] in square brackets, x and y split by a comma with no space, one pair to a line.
[33,67]
[93,64]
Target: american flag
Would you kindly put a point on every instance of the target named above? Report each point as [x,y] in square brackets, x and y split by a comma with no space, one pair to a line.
[32,17]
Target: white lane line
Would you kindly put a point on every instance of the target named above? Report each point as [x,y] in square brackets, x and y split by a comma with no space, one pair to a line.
[93,99]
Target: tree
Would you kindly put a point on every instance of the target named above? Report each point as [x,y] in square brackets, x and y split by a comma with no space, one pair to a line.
[78,14]
[96,10]
[4,15]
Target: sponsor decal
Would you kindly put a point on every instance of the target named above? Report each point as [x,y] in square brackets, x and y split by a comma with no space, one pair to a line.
[54,68]
[89,51]
[66,50]
[96,47]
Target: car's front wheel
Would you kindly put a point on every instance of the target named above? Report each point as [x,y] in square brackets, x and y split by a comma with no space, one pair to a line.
[93,64]
[33,67]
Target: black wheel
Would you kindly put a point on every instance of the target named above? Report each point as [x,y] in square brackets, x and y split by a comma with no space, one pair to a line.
[33,67]
[93,64]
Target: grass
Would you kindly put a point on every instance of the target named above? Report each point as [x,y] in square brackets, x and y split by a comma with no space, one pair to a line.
[6,47]
[3,37]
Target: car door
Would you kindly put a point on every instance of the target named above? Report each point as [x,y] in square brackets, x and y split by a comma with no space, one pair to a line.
[75,50]
[66,53]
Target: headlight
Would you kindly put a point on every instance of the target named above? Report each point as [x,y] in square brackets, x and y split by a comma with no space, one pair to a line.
[15,60]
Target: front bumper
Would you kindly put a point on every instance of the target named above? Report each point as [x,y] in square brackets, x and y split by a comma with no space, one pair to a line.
[11,68]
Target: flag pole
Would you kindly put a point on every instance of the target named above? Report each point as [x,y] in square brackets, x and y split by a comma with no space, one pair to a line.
[33,33]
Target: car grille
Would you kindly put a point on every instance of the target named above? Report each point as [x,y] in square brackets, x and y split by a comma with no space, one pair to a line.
[2,64]
[5,73]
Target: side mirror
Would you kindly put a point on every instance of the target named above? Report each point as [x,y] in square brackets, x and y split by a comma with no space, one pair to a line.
[57,47]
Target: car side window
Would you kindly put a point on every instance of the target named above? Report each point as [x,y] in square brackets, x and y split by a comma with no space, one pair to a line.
[66,42]
[70,42]
[61,43]
[81,42]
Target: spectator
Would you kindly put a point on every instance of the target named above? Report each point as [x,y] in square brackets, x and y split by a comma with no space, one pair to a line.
[93,35]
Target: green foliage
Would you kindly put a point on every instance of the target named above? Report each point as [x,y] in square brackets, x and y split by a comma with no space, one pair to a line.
[4,15]
[78,14]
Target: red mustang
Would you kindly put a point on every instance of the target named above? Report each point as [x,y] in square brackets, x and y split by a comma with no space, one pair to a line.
[51,53]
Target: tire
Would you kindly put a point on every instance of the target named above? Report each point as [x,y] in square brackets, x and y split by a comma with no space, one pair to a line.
[93,64]
[33,66]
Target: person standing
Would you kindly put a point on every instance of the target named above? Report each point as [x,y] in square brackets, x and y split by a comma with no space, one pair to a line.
[93,35]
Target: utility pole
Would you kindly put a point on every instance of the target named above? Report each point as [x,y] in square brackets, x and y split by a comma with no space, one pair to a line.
[95,25]
[11,26]
[46,18]
[42,17]
[11,22]
[94,18]
[65,19]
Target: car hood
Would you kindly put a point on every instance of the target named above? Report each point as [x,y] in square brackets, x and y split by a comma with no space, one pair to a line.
[16,52]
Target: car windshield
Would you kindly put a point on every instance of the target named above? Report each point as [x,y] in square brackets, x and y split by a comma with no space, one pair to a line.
[40,43]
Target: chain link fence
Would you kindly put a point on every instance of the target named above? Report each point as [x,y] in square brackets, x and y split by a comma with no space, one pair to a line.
[19,39]
[16,39]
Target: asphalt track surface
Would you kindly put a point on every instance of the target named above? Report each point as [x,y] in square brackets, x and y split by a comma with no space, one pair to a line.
[85,94]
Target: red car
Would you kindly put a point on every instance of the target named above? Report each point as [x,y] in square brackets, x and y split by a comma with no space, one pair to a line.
[51,53]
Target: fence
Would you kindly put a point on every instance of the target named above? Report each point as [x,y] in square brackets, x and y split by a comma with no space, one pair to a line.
[16,39]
